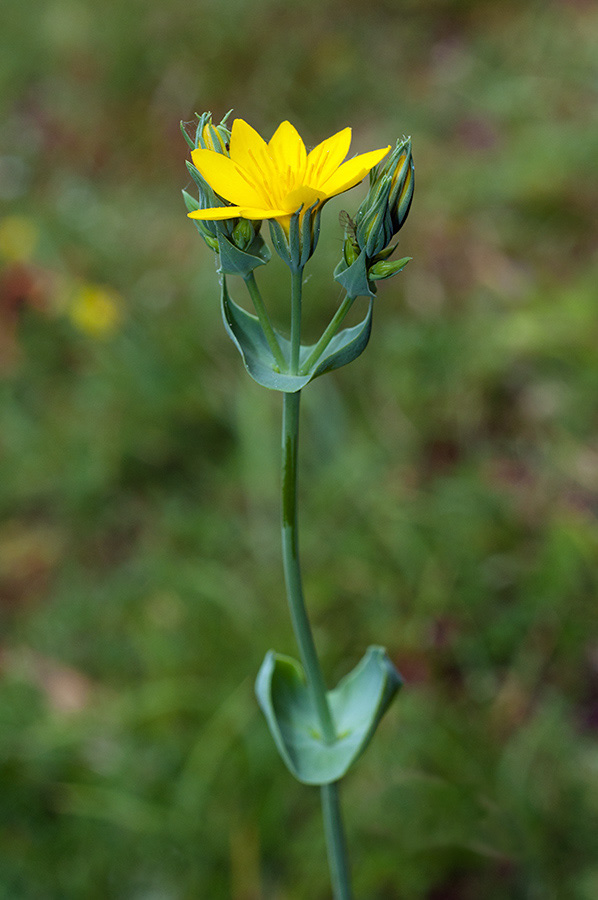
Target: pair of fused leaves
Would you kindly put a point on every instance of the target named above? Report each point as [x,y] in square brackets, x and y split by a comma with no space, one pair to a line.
[247,334]
[356,705]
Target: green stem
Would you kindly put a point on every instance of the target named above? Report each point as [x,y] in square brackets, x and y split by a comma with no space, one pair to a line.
[337,854]
[296,288]
[328,334]
[262,314]
[335,840]
[292,566]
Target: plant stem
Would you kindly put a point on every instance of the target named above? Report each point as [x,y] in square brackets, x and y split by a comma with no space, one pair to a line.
[296,288]
[337,853]
[335,840]
[292,566]
[333,824]
[329,333]
[262,314]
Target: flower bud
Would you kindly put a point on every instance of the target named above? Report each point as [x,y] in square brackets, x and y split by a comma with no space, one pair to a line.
[212,137]
[374,224]
[386,268]
[350,251]
[387,203]
[244,232]
[399,167]
[351,248]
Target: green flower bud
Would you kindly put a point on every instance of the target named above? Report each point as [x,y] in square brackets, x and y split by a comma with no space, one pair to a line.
[244,232]
[212,137]
[374,224]
[350,251]
[386,269]
[351,248]
[210,240]
[399,167]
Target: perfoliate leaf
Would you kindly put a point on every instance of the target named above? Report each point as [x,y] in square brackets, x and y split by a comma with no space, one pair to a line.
[241,262]
[354,278]
[356,706]
[247,334]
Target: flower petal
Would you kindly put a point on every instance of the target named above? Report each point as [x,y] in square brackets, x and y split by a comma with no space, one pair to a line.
[216,212]
[304,196]
[352,171]
[234,212]
[249,150]
[288,154]
[325,159]
[227,178]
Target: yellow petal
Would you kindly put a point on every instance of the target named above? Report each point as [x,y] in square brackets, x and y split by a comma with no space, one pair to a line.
[304,196]
[250,151]
[288,153]
[352,171]
[233,212]
[227,178]
[216,212]
[325,159]
[254,213]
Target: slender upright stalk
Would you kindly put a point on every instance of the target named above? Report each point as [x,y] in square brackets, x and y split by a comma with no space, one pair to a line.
[296,289]
[262,314]
[292,567]
[333,826]
[329,333]
[335,841]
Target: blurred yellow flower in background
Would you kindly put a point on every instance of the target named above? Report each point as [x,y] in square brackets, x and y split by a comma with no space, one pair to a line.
[96,310]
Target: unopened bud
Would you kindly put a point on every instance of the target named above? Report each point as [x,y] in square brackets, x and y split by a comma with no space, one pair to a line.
[350,251]
[386,268]
[244,232]
[374,225]
[212,137]
[400,168]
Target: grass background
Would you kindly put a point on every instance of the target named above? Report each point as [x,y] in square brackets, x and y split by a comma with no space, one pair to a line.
[449,477]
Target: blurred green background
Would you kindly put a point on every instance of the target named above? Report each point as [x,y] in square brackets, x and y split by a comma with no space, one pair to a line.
[449,476]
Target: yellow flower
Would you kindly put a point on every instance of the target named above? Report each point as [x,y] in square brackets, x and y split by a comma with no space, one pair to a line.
[96,310]
[273,180]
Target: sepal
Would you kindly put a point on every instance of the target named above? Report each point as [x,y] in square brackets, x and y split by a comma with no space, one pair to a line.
[297,244]
[357,704]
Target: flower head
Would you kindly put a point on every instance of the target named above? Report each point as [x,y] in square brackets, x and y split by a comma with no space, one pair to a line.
[96,310]
[274,180]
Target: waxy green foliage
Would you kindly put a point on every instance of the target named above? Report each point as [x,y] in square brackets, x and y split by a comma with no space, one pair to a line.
[247,334]
[357,704]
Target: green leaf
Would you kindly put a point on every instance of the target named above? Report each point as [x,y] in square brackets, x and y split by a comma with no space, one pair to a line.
[247,334]
[356,705]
